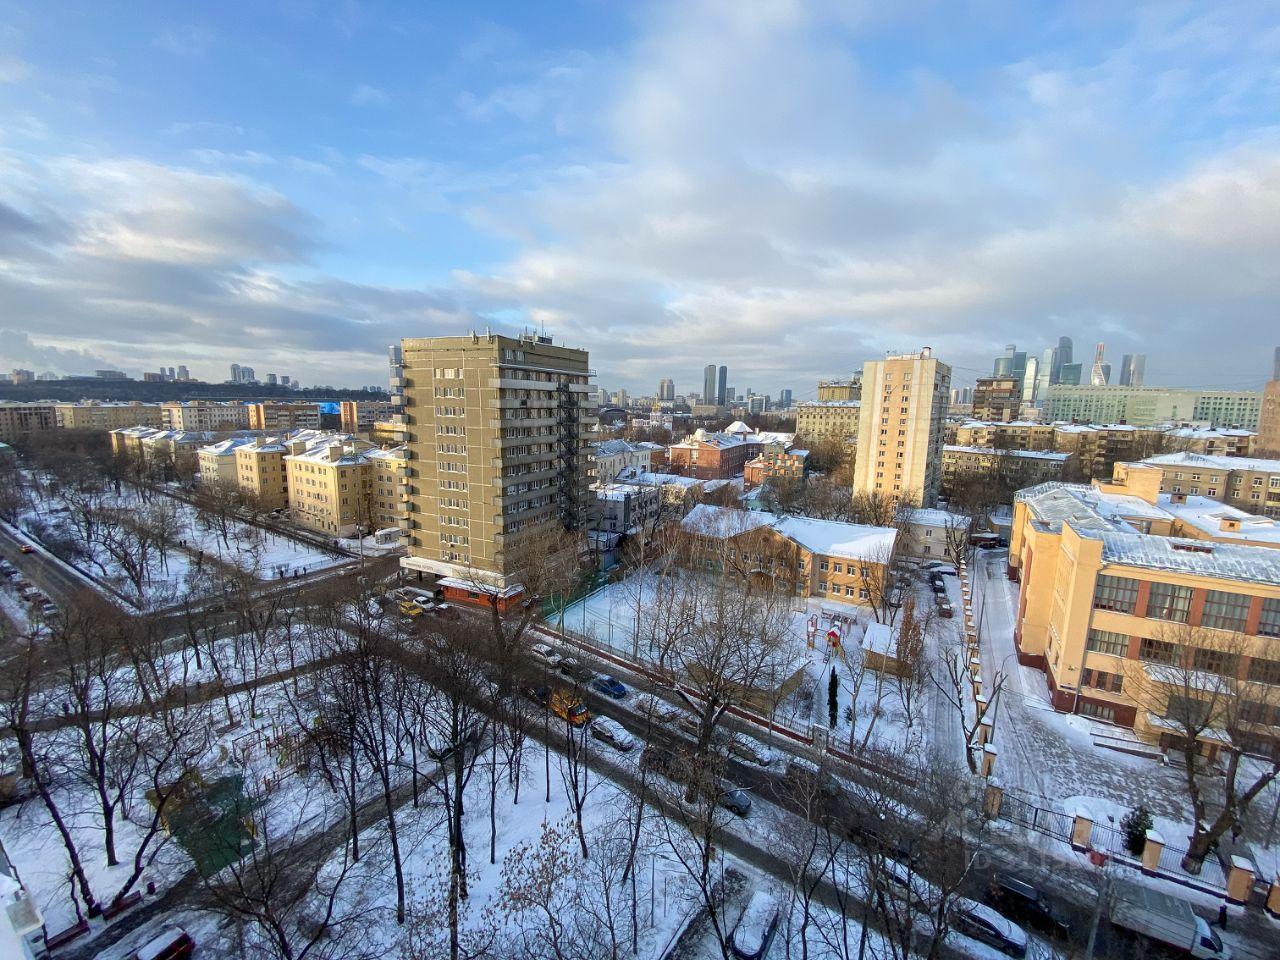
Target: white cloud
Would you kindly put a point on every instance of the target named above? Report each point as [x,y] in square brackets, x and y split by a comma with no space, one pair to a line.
[365,95]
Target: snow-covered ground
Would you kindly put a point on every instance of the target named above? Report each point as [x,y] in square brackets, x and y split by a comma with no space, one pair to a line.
[198,545]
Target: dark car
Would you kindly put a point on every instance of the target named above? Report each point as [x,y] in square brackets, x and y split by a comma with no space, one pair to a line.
[985,925]
[609,687]
[1023,901]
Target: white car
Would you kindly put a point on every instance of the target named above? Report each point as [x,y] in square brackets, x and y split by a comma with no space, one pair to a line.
[544,653]
[612,733]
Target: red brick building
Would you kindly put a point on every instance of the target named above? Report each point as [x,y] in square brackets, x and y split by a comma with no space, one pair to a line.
[713,456]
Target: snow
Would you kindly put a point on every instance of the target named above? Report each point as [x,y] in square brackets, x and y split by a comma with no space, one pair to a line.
[827,537]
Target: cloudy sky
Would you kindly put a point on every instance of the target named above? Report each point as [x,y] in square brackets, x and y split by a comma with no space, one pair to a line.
[787,188]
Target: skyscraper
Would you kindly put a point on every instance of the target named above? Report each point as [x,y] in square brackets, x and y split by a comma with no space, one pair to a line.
[721,383]
[183,374]
[904,401]
[481,481]
[1133,368]
[235,373]
[666,389]
[1064,357]
[784,398]
[709,383]
[1100,374]
[1030,381]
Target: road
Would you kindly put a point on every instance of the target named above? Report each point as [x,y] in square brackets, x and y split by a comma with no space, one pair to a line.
[61,584]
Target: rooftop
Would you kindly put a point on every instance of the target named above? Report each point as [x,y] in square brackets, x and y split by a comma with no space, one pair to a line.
[827,537]
[996,451]
[1186,459]
[1224,561]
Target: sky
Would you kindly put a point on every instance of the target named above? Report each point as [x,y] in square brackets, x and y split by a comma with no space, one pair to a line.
[785,188]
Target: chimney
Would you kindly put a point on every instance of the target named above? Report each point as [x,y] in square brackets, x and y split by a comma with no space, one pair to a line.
[1177,498]
[1230,525]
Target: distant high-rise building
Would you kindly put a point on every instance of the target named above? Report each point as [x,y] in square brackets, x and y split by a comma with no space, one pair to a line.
[1069,374]
[172,374]
[784,398]
[1275,365]
[904,401]
[1012,363]
[271,379]
[997,399]
[1064,357]
[1030,380]
[1100,374]
[666,389]
[730,394]
[235,373]
[709,384]
[722,384]
[183,373]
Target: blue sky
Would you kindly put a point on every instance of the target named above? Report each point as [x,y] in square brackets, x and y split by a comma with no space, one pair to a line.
[787,188]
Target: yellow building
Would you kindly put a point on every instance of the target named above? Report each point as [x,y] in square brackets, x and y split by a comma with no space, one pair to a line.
[17,420]
[331,487]
[1249,483]
[390,472]
[260,473]
[279,417]
[900,432]
[1006,469]
[217,462]
[1128,618]
[107,416]
[1014,435]
[839,391]
[359,416]
[827,418]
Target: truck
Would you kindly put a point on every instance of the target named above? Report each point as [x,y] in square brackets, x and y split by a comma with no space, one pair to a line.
[1164,919]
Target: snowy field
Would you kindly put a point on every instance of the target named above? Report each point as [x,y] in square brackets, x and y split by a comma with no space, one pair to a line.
[194,547]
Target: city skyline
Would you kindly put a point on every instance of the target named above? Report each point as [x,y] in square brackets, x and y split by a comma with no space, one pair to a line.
[586,179]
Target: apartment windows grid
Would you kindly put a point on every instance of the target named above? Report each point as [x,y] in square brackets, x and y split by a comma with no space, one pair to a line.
[1264,671]
[1269,622]
[1101,680]
[1104,641]
[1221,662]
[1225,611]
[1118,594]
[1169,601]
[1159,651]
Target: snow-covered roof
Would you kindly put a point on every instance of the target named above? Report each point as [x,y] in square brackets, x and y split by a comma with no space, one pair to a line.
[1222,561]
[723,522]
[390,453]
[225,448]
[648,478]
[848,404]
[933,517]
[1000,452]
[720,440]
[617,491]
[1209,461]
[880,639]
[855,541]
[1208,433]
[738,427]
[612,448]
[773,436]
[1054,504]
[1208,516]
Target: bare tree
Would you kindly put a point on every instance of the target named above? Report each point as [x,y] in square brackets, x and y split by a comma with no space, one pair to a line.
[955,685]
[1215,696]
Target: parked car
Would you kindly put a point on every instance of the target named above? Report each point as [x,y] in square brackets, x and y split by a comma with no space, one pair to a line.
[658,709]
[1019,899]
[734,799]
[985,925]
[568,707]
[543,652]
[573,668]
[945,610]
[609,687]
[172,943]
[612,733]
[679,768]
[26,548]
[755,929]
[409,609]
[751,750]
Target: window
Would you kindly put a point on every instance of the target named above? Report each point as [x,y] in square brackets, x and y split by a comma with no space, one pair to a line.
[1221,662]
[1269,622]
[1115,593]
[1264,671]
[1169,601]
[1159,651]
[1104,641]
[1099,711]
[1101,680]
[1225,611]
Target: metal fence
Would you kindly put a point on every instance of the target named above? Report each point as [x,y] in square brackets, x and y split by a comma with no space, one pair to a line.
[1041,819]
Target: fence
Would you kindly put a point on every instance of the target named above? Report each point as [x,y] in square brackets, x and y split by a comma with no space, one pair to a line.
[1023,810]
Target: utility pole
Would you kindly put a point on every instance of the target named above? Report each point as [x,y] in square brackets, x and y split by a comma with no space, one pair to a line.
[1104,887]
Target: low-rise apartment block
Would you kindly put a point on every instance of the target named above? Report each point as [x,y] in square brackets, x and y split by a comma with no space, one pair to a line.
[997,399]
[776,463]
[1010,469]
[108,416]
[828,418]
[1132,601]
[1249,483]
[1148,406]
[359,416]
[808,558]
[721,456]
[1213,442]
[18,420]
[612,457]
[205,415]
[331,487]
[217,462]
[623,508]
[279,417]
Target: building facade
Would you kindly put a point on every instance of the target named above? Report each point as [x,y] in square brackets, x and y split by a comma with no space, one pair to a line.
[359,416]
[278,417]
[1249,483]
[496,430]
[1145,406]
[840,391]
[18,420]
[331,488]
[108,416]
[1269,420]
[776,463]
[713,456]
[1009,469]
[997,398]
[828,418]
[1128,621]
[205,415]
[900,433]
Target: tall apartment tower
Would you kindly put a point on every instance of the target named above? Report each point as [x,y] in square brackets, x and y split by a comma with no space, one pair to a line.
[1133,369]
[709,383]
[904,401]
[497,435]
[722,383]
[666,389]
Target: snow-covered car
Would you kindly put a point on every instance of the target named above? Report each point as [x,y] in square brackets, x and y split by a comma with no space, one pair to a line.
[609,687]
[979,922]
[573,668]
[612,733]
[543,653]
[752,750]
[756,927]
[172,943]
[657,709]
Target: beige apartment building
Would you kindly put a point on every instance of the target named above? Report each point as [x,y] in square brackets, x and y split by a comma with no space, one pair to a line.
[1249,483]
[389,470]
[261,476]
[1269,420]
[827,418]
[497,436]
[108,416]
[205,415]
[279,417]
[1013,435]
[997,399]
[18,420]
[359,416]
[331,487]
[217,462]
[900,429]
[839,391]
[1005,469]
